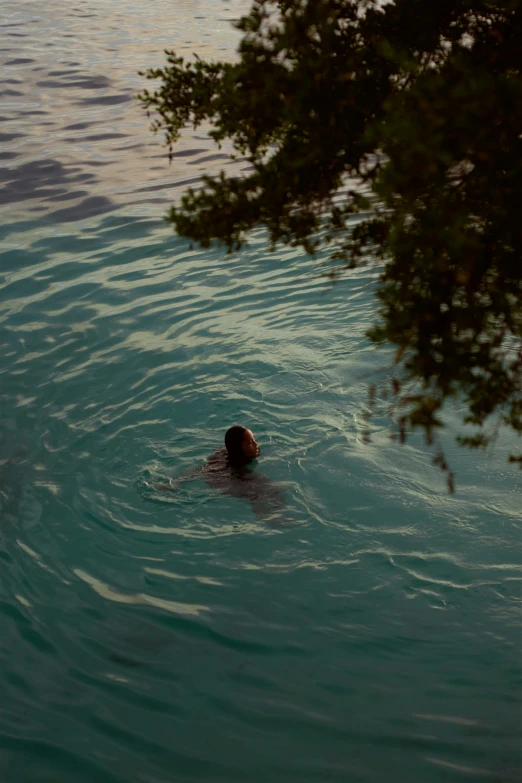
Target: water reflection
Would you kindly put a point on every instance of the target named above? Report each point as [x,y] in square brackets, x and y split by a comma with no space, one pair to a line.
[187,638]
[82,76]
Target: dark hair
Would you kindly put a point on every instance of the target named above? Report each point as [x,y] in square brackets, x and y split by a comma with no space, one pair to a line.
[234,443]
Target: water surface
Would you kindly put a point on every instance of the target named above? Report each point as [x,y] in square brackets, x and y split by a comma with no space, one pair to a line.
[373,633]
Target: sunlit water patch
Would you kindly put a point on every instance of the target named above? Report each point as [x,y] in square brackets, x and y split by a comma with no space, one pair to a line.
[372,630]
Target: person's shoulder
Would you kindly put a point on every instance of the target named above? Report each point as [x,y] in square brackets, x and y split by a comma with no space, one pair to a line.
[218,460]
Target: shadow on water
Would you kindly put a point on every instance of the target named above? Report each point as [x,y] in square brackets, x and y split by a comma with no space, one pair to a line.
[46,178]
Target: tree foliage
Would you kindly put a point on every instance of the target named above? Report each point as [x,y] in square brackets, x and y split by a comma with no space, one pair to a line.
[389,132]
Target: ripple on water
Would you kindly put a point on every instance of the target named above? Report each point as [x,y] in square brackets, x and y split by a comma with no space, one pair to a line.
[145,635]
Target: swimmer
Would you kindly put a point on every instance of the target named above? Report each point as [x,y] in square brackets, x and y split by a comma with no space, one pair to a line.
[230,471]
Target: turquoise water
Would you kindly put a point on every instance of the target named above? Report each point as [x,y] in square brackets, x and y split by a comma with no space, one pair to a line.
[373,633]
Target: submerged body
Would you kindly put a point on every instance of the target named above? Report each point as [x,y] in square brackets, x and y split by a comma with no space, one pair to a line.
[229,471]
[264,496]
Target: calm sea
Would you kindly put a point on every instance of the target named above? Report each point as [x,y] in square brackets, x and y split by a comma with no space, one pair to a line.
[371,632]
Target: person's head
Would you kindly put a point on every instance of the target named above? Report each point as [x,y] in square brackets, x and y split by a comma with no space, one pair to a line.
[241,444]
